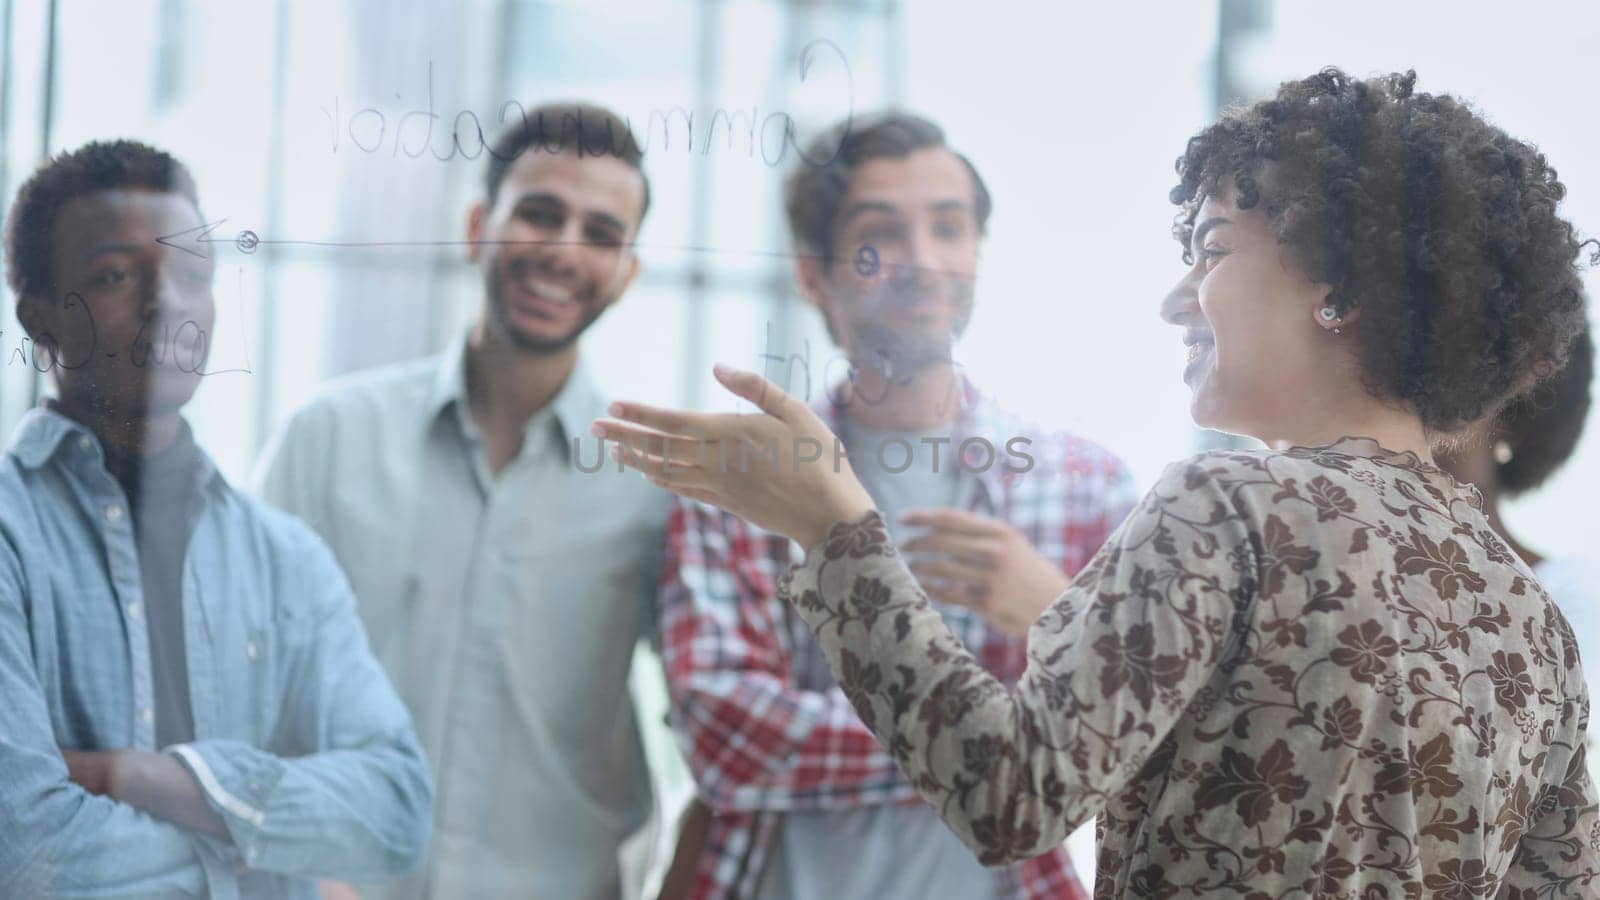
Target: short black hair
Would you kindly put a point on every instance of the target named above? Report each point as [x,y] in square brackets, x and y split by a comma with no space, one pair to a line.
[1544,426]
[94,167]
[563,127]
[1438,226]
[814,192]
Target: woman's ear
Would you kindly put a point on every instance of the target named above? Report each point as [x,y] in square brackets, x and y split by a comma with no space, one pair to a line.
[1330,317]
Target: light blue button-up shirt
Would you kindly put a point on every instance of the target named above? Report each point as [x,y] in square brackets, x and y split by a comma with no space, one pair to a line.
[301,744]
[506,607]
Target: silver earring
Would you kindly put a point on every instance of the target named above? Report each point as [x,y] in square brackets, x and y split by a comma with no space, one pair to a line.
[1338,331]
[1502,452]
[1328,314]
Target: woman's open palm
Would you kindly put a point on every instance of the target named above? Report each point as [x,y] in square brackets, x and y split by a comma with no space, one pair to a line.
[777,469]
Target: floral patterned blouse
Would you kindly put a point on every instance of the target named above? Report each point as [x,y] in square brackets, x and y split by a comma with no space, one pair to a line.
[1307,673]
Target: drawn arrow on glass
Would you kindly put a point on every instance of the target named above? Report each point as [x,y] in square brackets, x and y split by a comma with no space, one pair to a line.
[196,242]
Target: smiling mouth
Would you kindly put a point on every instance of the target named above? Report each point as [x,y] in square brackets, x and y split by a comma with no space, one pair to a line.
[547,291]
[909,301]
[539,292]
[1200,347]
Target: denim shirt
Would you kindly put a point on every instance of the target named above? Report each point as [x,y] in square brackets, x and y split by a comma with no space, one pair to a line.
[302,746]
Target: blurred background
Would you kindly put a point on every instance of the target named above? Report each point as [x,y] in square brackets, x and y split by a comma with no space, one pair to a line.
[294,118]
[307,123]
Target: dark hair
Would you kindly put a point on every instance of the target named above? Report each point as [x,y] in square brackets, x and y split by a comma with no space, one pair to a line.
[813,193]
[94,167]
[581,128]
[1439,227]
[1543,427]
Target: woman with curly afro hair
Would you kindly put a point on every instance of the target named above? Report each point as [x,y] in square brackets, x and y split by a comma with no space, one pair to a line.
[1310,671]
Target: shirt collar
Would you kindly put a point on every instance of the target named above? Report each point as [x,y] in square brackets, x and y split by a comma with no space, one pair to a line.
[574,406]
[449,379]
[44,432]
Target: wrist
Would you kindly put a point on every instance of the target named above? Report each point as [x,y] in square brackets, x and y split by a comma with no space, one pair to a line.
[846,509]
[1062,582]
[812,535]
[117,774]
[129,774]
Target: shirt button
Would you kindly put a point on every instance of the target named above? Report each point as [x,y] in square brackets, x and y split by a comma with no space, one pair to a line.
[114,513]
[146,714]
[250,649]
[133,609]
[85,443]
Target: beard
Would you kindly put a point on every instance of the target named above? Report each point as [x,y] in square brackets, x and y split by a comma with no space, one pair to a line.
[501,280]
[903,349]
[899,353]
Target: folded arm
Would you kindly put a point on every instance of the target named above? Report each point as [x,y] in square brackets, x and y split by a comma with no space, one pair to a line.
[344,791]
[56,838]
[154,782]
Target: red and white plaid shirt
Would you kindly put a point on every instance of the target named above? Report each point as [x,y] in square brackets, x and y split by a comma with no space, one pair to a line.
[765,728]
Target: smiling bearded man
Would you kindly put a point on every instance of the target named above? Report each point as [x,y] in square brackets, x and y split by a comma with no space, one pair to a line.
[505,588]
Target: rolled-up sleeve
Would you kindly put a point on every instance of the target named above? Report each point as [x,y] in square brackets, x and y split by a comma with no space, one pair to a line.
[56,839]
[345,790]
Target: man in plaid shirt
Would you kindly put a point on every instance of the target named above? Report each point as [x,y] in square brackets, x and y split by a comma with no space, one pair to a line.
[803,800]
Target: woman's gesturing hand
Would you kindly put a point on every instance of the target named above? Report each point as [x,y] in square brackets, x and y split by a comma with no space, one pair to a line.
[777,469]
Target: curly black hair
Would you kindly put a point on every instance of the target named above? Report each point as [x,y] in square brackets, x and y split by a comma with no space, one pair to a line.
[96,166]
[1441,228]
[1544,426]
